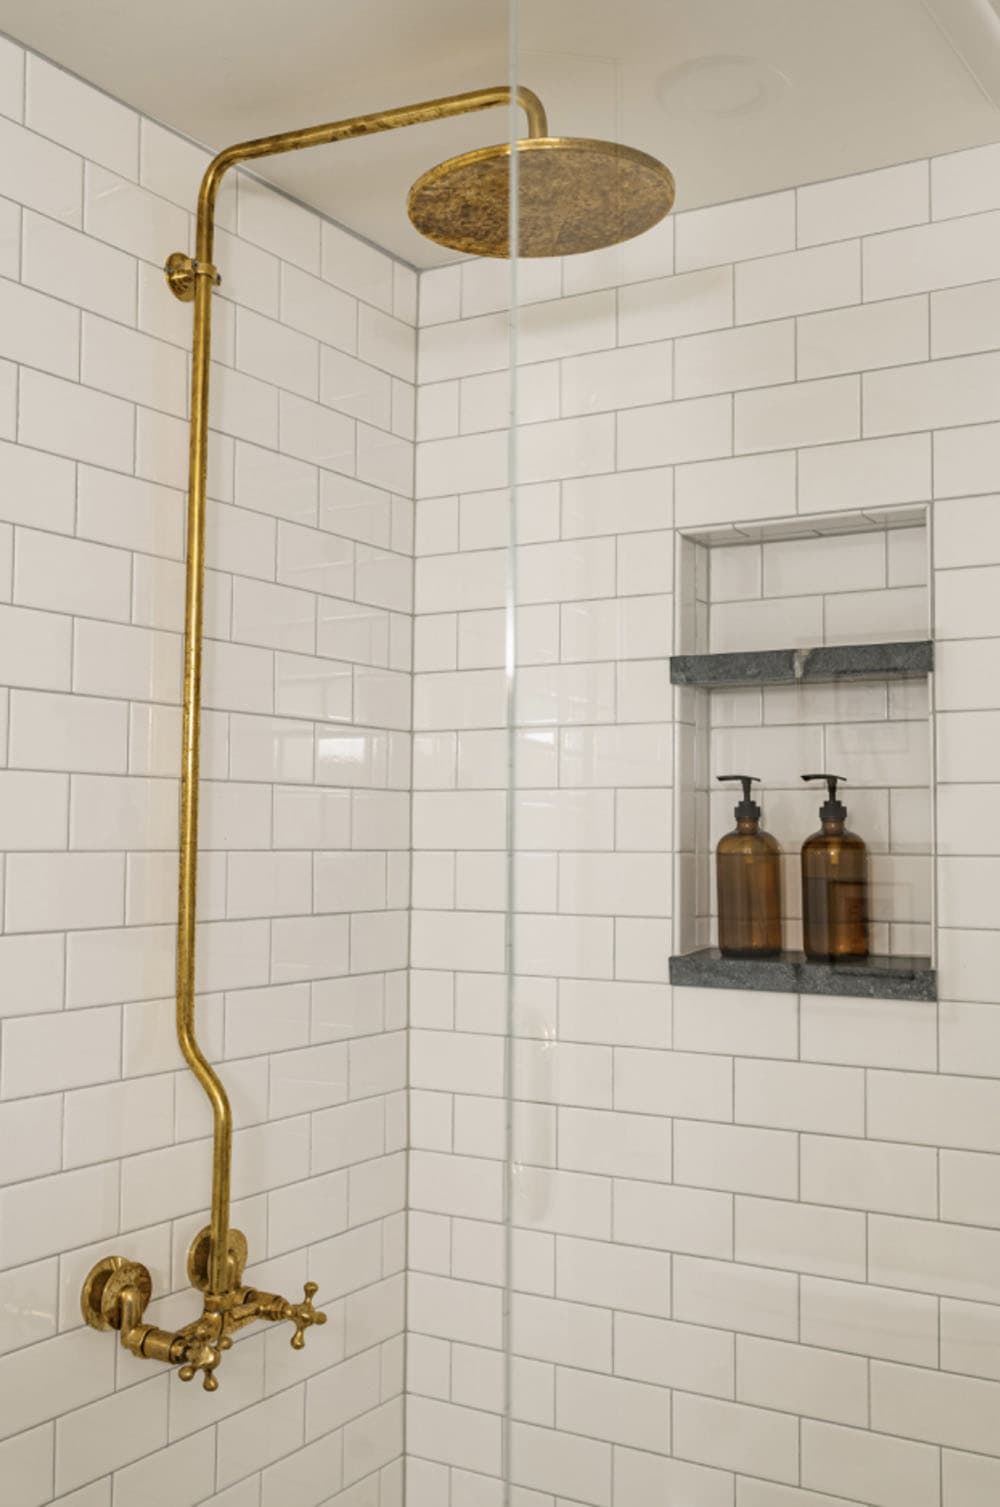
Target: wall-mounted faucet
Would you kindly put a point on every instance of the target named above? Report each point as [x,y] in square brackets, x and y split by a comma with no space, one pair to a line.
[116,1292]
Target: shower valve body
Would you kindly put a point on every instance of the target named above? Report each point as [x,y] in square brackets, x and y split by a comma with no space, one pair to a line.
[117,1291]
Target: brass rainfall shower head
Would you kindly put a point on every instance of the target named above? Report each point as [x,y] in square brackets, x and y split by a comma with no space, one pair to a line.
[573,194]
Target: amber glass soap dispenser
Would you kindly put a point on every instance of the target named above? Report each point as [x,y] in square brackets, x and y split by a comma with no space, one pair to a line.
[834,884]
[748,876]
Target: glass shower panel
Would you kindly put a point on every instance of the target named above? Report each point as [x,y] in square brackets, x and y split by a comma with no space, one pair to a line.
[456,1351]
[739,1268]
[591,571]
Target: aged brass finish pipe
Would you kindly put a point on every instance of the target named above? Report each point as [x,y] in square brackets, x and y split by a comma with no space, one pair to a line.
[116,1291]
[194,615]
[195,280]
[180,268]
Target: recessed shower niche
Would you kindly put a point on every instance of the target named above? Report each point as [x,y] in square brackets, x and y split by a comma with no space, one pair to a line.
[805,644]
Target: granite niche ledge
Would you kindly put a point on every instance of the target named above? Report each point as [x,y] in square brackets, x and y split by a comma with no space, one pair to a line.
[795,666]
[790,973]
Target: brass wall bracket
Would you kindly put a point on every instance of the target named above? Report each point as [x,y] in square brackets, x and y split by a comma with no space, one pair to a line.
[182,273]
[199,1255]
[101,1298]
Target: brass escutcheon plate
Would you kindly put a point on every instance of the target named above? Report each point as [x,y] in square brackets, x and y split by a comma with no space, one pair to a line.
[198,1252]
[100,1300]
[179,272]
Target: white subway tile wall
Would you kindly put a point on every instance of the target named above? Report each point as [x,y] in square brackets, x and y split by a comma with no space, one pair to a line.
[304,882]
[754,1247]
[754,1243]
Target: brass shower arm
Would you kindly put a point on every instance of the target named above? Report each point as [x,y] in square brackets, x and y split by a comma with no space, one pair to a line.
[181,269]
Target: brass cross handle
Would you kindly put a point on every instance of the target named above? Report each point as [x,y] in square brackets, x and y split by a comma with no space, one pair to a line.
[304,1314]
[199,1355]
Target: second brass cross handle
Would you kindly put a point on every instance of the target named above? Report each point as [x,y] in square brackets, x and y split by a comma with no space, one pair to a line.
[304,1314]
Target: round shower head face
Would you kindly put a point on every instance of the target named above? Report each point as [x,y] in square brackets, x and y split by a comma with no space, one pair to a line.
[572,195]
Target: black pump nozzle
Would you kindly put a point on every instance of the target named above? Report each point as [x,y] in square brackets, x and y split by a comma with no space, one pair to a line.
[832,810]
[747,810]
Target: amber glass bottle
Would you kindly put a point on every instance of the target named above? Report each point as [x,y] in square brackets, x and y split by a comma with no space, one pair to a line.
[834,884]
[748,877]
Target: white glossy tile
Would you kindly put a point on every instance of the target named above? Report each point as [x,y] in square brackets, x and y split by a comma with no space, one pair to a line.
[798,282]
[891,1472]
[40,174]
[863,203]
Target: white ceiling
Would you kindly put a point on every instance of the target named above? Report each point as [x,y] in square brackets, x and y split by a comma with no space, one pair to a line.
[737,96]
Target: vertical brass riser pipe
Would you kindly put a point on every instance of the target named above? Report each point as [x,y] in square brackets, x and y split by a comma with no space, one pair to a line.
[199,276]
[187,899]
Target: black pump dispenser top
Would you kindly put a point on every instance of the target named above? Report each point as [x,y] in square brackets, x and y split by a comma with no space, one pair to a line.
[747,810]
[831,810]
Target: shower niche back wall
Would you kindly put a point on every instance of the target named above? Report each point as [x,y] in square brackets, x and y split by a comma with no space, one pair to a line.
[856,587]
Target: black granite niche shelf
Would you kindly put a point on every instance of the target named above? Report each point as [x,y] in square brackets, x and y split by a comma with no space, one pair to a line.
[789,973]
[795,666]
